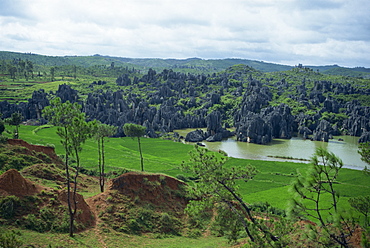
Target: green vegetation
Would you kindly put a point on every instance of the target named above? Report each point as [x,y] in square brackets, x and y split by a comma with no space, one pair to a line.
[100,133]
[90,238]
[365,152]
[218,181]
[264,198]
[135,131]
[311,190]
[160,155]
[80,72]
[268,190]
[10,239]
[18,157]
[15,120]
[362,205]
[73,131]
[43,212]
[139,216]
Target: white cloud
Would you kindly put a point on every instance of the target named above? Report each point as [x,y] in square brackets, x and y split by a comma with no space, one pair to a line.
[287,31]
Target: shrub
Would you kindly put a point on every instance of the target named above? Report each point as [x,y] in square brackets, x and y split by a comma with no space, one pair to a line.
[265,207]
[10,239]
[45,158]
[50,145]
[110,209]
[20,161]
[61,225]
[3,160]
[146,220]
[3,139]
[155,183]
[182,178]
[193,233]
[8,206]
[169,224]
[227,224]
[162,178]
[47,220]
[15,163]
[33,223]
[133,226]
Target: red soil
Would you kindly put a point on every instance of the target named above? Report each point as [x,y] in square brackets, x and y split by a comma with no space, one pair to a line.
[153,188]
[84,213]
[12,183]
[44,149]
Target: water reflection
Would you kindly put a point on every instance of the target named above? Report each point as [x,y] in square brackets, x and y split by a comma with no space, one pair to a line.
[295,148]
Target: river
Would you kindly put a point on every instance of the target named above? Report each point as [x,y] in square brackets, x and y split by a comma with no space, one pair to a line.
[296,147]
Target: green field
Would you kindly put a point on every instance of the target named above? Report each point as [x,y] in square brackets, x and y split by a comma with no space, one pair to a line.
[271,184]
[90,238]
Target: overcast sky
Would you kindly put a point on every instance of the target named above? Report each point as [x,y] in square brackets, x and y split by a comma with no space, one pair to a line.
[311,32]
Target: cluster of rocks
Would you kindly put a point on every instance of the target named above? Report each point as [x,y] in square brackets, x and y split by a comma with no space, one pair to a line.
[215,131]
[30,110]
[160,112]
[259,123]
[355,117]
[172,100]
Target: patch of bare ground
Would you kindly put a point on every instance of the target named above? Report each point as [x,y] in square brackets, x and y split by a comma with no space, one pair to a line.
[160,190]
[12,183]
[132,192]
[36,150]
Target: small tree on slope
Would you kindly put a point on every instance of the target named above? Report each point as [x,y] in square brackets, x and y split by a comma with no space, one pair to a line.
[216,187]
[73,131]
[134,130]
[102,131]
[315,197]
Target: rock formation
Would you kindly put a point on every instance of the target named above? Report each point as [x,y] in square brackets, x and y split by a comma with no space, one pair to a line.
[171,100]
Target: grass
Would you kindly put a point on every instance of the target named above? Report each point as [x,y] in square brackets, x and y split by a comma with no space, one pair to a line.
[91,238]
[159,155]
[275,196]
[271,184]
[20,90]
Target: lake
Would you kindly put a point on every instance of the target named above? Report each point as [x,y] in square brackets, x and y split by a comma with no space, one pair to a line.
[296,147]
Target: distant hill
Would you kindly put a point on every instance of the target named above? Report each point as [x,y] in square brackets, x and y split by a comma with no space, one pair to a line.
[349,72]
[190,64]
[342,71]
[210,64]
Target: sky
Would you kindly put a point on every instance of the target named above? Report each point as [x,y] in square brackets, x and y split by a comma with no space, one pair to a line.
[290,32]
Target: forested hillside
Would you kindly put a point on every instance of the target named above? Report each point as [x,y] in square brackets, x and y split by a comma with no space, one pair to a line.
[193,65]
[259,105]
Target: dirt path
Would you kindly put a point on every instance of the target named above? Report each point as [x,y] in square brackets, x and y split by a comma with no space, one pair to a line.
[93,202]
